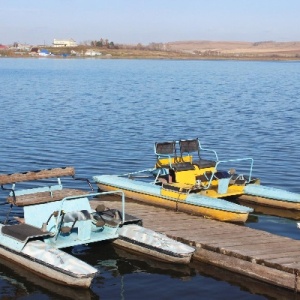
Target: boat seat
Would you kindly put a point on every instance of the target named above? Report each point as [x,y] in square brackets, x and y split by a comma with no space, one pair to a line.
[168,150]
[23,232]
[103,215]
[44,197]
[204,177]
[193,146]
[180,166]
[239,179]
[183,166]
[80,215]
[81,220]
[222,175]
[165,148]
[204,163]
[165,151]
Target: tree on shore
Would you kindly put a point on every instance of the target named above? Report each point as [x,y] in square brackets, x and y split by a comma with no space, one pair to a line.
[103,43]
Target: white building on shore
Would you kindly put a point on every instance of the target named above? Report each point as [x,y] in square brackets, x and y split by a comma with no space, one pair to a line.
[64,43]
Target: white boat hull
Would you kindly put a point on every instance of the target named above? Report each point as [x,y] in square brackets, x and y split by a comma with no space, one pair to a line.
[135,238]
[52,264]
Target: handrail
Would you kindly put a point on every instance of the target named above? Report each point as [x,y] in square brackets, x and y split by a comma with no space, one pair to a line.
[239,159]
[230,160]
[210,150]
[85,179]
[137,172]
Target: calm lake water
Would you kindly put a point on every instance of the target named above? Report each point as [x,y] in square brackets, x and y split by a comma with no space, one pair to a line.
[103,117]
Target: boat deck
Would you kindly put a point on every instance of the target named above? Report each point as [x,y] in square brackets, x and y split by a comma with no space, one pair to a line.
[254,253]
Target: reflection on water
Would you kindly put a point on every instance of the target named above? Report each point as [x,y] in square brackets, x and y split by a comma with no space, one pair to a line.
[246,283]
[139,262]
[103,117]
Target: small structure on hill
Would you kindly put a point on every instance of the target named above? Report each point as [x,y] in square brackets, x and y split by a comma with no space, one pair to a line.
[64,43]
[91,52]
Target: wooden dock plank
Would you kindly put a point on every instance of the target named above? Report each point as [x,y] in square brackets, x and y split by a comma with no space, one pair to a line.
[285,260]
[254,253]
[260,272]
[288,253]
[277,247]
[294,265]
[234,242]
[230,234]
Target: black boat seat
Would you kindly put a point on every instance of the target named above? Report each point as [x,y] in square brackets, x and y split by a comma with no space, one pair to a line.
[183,166]
[23,232]
[193,146]
[204,163]
[168,150]
[114,216]
[80,215]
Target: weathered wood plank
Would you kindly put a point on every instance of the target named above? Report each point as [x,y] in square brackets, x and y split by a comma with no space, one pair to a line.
[276,247]
[36,175]
[294,265]
[249,255]
[44,197]
[285,260]
[269,256]
[273,276]
[234,242]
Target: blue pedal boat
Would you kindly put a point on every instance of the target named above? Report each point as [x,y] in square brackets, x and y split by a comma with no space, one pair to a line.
[53,217]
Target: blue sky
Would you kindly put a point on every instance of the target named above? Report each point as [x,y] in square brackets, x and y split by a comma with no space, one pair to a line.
[147,21]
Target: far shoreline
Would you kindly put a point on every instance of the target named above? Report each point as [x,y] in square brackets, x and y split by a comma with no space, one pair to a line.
[190,50]
[229,58]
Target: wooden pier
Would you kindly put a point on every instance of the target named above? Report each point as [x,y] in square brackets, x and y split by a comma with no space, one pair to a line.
[254,253]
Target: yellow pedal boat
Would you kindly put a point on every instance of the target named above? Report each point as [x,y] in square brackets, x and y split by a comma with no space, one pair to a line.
[184,183]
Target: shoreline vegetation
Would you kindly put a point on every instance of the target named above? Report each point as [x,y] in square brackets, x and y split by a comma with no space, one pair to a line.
[193,50]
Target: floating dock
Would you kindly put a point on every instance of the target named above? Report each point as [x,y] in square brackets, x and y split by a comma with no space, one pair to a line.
[254,253]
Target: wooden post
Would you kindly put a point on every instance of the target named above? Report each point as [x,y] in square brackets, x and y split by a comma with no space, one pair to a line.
[36,175]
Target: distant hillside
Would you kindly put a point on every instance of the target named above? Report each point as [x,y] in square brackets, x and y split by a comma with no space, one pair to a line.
[265,48]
